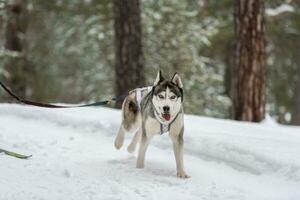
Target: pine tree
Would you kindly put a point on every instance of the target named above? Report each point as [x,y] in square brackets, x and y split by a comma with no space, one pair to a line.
[249,73]
[129,64]
[15,41]
[296,106]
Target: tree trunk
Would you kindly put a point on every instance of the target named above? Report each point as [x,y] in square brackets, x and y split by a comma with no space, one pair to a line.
[249,70]
[296,106]
[129,63]
[16,67]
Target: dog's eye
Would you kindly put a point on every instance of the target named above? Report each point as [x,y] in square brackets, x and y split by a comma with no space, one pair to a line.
[160,96]
[173,97]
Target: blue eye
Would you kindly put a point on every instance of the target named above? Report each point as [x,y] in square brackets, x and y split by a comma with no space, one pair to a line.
[160,96]
[173,97]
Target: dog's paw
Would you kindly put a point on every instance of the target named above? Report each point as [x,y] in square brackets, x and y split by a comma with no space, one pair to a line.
[140,165]
[118,144]
[182,174]
[131,148]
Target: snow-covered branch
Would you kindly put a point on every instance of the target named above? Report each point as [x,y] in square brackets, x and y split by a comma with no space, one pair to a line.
[284,8]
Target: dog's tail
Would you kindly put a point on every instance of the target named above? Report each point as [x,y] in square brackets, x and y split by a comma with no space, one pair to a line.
[133,107]
[130,112]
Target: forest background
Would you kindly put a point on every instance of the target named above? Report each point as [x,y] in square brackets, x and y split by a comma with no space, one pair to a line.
[66,51]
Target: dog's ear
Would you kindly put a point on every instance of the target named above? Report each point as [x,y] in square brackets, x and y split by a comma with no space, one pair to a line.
[177,80]
[159,78]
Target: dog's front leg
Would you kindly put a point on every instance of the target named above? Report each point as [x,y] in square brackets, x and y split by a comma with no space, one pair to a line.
[178,152]
[142,151]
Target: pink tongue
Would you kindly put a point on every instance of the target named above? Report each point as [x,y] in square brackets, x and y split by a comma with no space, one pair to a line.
[166,116]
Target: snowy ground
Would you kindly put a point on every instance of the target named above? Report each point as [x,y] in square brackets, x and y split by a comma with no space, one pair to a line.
[74,158]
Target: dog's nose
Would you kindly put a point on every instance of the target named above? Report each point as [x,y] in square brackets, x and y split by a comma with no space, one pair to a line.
[166,108]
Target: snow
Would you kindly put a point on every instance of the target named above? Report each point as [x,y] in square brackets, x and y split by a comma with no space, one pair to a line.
[74,158]
[283,8]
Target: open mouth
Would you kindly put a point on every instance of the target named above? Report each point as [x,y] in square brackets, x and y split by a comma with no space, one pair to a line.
[166,116]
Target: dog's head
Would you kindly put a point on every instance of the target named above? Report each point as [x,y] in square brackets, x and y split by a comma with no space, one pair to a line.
[167,96]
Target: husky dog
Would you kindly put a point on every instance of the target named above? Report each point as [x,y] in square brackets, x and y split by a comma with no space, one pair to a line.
[151,111]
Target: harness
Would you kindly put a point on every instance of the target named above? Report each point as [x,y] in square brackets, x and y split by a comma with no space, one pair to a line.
[139,94]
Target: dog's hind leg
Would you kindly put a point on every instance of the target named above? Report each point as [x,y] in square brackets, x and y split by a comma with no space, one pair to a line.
[136,138]
[142,151]
[120,137]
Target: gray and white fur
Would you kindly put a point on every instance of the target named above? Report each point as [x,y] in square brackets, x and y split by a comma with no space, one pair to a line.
[160,107]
